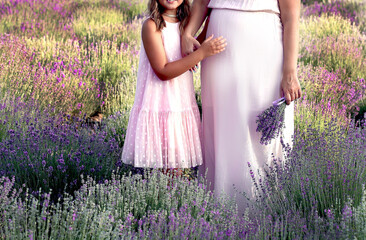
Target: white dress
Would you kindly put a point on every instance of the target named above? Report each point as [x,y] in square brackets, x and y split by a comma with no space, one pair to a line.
[164,129]
[237,85]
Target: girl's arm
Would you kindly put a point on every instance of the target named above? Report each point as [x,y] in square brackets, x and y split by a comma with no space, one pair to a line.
[198,15]
[290,14]
[155,52]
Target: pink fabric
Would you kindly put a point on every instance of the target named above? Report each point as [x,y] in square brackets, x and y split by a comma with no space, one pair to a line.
[246,5]
[164,128]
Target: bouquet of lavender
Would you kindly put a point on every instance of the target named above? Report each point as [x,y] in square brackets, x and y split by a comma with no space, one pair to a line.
[270,122]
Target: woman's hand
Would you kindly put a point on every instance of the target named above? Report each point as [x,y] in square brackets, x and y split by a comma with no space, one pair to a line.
[290,87]
[188,44]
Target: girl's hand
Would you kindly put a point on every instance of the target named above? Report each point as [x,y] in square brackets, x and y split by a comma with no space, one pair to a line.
[213,46]
[290,87]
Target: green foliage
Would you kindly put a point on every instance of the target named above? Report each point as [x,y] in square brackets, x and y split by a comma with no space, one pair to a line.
[96,24]
[333,43]
[327,26]
[57,74]
[309,2]
[117,76]
[37,20]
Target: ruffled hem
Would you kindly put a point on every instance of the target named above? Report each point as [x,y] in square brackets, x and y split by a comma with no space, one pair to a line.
[163,139]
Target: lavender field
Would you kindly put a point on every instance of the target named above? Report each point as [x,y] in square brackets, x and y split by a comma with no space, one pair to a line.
[67,80]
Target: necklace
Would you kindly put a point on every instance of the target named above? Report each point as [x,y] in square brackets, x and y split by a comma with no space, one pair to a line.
[170,15]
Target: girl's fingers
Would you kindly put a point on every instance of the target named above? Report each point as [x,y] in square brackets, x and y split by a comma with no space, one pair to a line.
[221,48]
[209,38]
[220,44]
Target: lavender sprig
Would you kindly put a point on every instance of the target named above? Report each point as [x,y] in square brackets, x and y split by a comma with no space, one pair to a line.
[271,121]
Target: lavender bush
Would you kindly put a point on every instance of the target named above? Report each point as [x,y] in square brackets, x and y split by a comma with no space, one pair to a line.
[317,179]
[346,9]
[157,207]
[308,2]
[333,79]
[331,93]
[334,44]
[81,73]
[94,24]
[327,26]
[352,10]
[78,81]
[359,214]
[125,207]
[49,76]
[74,57]
[56,18]
[42,151]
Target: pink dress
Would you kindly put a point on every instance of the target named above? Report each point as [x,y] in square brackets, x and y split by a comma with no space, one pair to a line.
[164,129]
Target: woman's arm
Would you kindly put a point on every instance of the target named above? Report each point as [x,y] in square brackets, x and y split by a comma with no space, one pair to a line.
[201,38]
[290,14]
[198,15]
[155,52]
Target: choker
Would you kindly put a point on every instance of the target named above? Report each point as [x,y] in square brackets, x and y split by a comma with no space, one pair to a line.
[170,15]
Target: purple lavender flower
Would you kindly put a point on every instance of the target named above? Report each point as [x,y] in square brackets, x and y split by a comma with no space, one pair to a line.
[271,121]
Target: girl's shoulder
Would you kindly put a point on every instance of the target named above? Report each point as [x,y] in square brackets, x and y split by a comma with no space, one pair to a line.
[149,27]
[149,23]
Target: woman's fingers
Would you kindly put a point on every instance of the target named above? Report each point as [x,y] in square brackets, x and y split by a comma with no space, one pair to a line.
[290,87]
[189,44]
[291,95]
[196,44]
[288,98]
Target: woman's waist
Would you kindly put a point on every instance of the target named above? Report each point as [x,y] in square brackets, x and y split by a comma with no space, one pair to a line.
[249,10]
[246,17]
[270,6]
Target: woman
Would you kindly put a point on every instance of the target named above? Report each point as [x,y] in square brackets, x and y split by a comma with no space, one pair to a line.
[258,67]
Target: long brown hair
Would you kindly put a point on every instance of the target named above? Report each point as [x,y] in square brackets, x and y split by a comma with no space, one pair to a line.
[156,11]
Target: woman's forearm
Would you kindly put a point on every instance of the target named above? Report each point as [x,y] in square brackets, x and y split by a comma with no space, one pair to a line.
[291,46]
[198,15]
[290,14]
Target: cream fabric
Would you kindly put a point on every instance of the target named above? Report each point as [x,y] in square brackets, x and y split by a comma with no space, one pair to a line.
[237,85]
[247,5]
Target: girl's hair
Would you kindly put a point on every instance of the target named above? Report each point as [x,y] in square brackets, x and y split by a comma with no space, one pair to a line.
[156,11]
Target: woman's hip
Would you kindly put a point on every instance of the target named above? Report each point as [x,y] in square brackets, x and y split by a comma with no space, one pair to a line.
[250,69]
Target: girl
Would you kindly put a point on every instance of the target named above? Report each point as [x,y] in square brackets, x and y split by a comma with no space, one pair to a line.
[164,127]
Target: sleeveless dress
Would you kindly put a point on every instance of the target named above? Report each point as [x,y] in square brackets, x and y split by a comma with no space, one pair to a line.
[164,128]
[236,86]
